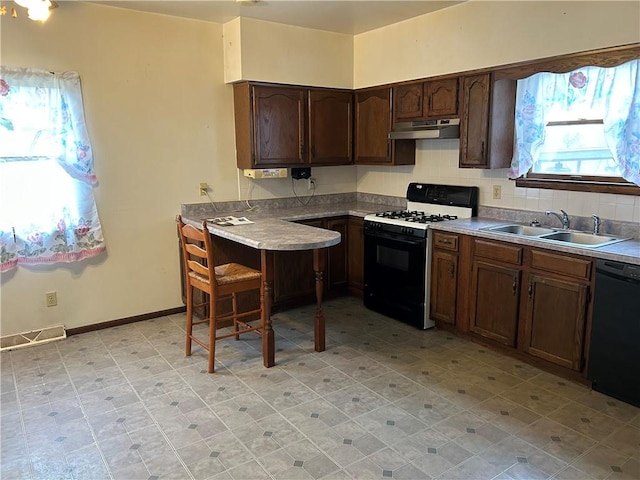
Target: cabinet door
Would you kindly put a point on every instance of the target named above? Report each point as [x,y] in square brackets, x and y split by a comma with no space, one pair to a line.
[336,274]
[355,255]
[278,123]
[373,122]
[494,301]
[474,121]
[441,98]
[330,127]
[444,280]
[555,320]
[293,276]
[407,102]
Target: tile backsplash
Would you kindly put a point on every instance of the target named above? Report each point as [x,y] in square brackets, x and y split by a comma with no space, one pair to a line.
[437,162]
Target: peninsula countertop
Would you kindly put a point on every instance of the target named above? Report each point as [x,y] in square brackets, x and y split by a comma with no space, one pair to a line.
[273,228]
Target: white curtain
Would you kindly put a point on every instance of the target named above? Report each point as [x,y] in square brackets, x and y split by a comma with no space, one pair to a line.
[47,210]
[615,92]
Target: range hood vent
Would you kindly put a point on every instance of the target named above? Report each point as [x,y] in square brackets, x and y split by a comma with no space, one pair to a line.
[428,129]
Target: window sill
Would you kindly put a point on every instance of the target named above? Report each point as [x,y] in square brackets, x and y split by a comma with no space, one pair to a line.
[579,186]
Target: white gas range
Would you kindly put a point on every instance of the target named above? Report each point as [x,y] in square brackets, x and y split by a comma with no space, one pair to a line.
[397,249]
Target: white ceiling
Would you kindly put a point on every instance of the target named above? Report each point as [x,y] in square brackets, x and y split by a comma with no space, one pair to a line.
[349,17]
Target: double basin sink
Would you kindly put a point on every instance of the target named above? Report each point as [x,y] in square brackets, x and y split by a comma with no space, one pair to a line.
[566,237]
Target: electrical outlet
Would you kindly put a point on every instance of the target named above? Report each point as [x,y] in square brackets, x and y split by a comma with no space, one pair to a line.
[203,189]
[311,184]
[497,192]
[51,299]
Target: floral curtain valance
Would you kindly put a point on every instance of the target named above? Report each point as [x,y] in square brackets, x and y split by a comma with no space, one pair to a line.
[613,92]
[47,208]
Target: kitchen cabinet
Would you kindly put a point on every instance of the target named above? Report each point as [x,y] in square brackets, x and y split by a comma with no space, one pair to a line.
[330,127]
[294,278]
[337,258]
[424,100]
[495,291]
[288,126]
[534,302]
[487,121]
[373,110]
[444,278]
[355,256]
[555,308]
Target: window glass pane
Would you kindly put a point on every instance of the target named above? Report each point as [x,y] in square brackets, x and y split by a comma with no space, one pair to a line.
[35,192]
[30,131]
[576,149]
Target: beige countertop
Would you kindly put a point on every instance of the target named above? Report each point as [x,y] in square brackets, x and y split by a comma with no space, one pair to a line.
[627,251]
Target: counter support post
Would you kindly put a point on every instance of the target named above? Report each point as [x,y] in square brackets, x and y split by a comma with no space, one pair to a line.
[268,340]
[319,322]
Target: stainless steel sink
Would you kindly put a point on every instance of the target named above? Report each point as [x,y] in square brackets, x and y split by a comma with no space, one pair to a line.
[582,239]
[520,230]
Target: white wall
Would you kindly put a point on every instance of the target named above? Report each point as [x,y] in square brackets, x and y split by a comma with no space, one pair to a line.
[272,52]
[480,34]
[158,113]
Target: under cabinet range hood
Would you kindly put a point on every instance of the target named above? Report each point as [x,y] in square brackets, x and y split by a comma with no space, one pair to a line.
[433,129]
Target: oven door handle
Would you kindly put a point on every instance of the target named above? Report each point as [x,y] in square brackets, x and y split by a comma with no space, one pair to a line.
[394,237]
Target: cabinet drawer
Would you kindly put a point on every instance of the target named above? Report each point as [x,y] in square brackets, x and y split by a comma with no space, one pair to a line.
[498,251]
[446,241]
[562,264]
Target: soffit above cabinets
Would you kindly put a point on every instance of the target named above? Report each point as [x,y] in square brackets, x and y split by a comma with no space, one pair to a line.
[347,17]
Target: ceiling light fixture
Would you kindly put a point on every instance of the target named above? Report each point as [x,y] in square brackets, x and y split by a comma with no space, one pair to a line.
[38,10]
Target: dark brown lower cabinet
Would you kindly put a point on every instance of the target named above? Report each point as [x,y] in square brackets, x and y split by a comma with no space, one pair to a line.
[444,282]
[555,310]
[355,256]
[294,277]
[495,294]
[536,302]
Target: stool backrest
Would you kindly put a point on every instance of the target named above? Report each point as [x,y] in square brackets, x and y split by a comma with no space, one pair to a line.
[197,251]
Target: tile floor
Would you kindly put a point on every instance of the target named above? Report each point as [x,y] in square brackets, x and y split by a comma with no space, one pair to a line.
[384,401]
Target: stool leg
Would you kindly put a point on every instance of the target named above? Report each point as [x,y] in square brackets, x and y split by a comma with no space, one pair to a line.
[234,305]
[212,331]
[189,325]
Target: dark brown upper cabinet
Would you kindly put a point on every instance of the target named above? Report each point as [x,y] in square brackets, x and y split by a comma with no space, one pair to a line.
[487,121]
[425,100]
[372,126]
[288,126]
[330,127]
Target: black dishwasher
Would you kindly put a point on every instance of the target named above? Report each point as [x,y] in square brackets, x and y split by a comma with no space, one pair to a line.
[614,355]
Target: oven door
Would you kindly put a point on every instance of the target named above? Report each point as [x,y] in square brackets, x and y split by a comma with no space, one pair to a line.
[395,276]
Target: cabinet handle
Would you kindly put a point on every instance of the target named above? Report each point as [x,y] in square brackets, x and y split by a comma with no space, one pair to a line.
[301,150]
[514,287]
[530,289]
[482,150]
[444,241]
[452,270]
[313,151]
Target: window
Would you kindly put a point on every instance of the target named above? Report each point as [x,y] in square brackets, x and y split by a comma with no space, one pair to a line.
[47,208]
[580,128]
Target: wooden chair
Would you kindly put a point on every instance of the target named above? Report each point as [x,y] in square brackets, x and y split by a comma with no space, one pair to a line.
[219,282]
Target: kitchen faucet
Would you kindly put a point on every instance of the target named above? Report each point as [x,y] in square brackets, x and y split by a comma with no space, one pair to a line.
[564,218]
[596,224]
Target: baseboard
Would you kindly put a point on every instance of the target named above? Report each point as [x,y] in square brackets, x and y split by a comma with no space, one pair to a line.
[124,321]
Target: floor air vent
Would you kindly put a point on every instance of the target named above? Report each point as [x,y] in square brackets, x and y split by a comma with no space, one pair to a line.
[33,337]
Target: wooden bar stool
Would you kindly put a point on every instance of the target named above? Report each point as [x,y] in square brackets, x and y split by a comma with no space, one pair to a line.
[218,282]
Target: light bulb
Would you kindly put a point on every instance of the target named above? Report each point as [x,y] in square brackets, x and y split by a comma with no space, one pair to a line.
[39,10]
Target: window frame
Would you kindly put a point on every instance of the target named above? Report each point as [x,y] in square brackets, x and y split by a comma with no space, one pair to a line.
[606,57]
